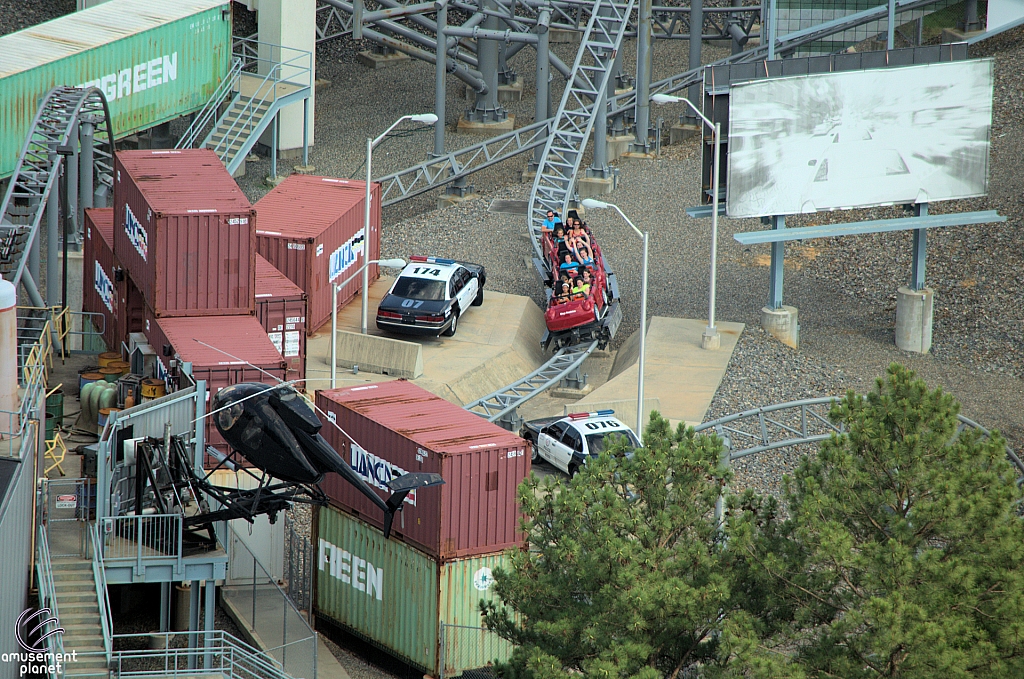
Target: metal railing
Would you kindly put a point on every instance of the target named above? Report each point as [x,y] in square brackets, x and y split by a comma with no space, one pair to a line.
[18,428]
[228,656]
[47,590]
[211,113]
[150,537]
[88,330]
[99,575]
[267,612]
[296,70]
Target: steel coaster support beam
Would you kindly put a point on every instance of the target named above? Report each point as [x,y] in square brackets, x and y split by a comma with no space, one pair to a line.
[500,406]
[574,121]
[487,109]
[643,80]
[696,20]
[599,167]
[440,79]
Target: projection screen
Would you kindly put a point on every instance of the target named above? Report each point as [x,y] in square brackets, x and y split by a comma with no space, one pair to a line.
[829,141]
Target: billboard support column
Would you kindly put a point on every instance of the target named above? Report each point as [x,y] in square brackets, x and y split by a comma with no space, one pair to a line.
[777,319]
[915,302]
[777,266]
[920,247]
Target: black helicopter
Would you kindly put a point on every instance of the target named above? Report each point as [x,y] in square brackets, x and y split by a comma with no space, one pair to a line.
[276,430]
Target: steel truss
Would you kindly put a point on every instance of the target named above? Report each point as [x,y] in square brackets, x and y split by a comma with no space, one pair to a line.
[500,406]
[54,135]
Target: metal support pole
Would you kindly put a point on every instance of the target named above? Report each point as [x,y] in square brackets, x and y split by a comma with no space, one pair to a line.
[643,347]
[273,147]
[890,31]
[211,600]
[737,47]
[696,28]
[73,218]
[773,25]
[366,236]
[65,181]
[53,240]
[165,606]
[711,339]
[85,169]
[193,624]
[487,108]
[543,81]
[305,132]
[777,266]
[34,254]
[920,247]
[599,167]
[440,73]
[357,19]
[334,337]
[643,79]
[971,22]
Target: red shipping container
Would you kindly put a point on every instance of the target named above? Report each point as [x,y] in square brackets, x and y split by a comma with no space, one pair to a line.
[99,289]
[281,310]
[252,355]
[184,232]
[311,229]
[397,428]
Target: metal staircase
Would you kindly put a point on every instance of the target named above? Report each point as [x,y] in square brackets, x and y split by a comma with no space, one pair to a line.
[584,97]
[263,79]
[75,592]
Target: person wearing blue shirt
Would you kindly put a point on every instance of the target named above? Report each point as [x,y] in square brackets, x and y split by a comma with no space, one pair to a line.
[549,222]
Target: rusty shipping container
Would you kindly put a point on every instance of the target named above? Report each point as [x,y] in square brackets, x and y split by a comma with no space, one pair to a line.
[184,231]
[99,289]
[399,427]
[252,355]
[417,609]
[311,229]
[281,310]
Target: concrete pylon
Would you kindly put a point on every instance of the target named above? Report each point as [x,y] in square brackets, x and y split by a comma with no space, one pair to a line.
[289,23]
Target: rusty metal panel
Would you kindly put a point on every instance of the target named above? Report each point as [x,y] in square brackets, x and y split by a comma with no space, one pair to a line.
[281,310]
[392,428]
[184,231]
[99,287]
[154,62]
[311,229]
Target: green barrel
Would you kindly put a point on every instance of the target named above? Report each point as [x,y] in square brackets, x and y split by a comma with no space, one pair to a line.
[54,412]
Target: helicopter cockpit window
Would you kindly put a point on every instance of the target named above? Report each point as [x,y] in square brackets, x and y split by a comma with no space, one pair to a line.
[227,417]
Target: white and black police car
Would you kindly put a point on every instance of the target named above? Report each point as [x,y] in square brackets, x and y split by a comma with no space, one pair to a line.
[430,295]
[567,442]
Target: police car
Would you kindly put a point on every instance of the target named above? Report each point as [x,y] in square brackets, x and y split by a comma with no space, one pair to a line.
[430,295]
[567,442]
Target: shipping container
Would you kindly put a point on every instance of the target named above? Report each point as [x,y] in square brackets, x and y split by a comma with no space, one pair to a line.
[281,310]
[398,598]
[311,229]
[99,287]
[184,232]
[234,349]
[398,427]
[153,61]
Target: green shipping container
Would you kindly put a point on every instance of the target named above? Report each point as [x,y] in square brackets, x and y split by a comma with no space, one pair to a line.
[398,598]
[153,61]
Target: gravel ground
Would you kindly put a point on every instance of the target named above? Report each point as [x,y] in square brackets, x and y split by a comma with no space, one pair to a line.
[18,14]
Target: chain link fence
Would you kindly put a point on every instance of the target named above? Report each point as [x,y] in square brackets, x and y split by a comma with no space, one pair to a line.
[299,561]
[470,652]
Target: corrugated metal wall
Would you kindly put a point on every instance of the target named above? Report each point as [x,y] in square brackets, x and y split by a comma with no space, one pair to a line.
[16,528]
[151,72]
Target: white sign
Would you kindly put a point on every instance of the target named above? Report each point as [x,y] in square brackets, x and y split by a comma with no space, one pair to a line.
[275,339]
[137,78]
[483,579]
[291,343]
[828,141]
[351,569]
[66,502]
[137,235]
[103,286]
[346,255]
[377,471]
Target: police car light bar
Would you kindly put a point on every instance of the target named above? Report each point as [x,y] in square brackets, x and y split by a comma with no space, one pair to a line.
[431,260]
[583,416]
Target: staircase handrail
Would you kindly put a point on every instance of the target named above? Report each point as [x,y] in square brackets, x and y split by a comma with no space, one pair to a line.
[99,575]
[47,590]
[275,76]
[209,111]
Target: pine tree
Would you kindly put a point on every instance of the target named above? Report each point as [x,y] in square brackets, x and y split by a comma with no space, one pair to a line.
[625,574]
[903,552]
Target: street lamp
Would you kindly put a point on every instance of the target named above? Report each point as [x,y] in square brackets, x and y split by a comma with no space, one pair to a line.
[592,204]
[427,118]
[389,263]
[711,338]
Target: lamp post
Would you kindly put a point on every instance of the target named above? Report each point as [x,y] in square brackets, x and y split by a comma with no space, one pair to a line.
[429,119]
[391,264]
[592,204]
[711,338]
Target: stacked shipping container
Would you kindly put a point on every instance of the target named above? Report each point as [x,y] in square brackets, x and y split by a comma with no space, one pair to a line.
[445,541]
[311,229]
[99,289]
[281,310]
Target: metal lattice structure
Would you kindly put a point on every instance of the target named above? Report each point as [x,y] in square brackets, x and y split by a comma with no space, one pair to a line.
[583,97]
[65,114]
[500,406]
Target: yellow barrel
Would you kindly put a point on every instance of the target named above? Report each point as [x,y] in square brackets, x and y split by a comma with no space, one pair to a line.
[153,388]
[110,374]
[123,366]
[105,415]
[108,356]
